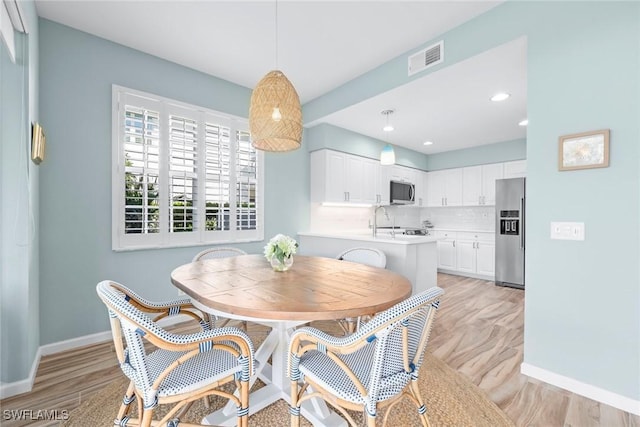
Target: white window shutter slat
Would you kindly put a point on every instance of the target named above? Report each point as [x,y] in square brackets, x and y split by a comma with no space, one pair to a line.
[185,176]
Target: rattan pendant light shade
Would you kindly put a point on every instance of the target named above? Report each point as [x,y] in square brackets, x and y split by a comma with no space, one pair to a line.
[271,131]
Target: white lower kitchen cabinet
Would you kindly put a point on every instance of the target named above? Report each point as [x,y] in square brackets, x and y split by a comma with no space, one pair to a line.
[446,249]
[486,258]
[466,256]
[467,253]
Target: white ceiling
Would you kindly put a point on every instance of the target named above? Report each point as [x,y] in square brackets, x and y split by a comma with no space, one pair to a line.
[450,107]
[322,45]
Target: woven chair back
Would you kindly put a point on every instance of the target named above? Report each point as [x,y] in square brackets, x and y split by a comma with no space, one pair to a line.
[130,323]
[401,340]
[369,256]
[213,253]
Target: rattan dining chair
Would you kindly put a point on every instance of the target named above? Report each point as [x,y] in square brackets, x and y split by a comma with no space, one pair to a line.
[180,368]
[216,253]
[374,367]
[362,255]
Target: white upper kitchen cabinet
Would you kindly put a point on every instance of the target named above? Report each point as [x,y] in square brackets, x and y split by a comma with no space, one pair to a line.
[343,178]
[328,169]
[370,181]
[444,188]
[405,174]
[353,183]
[421,188]
[515,169]
[387,173]
[479,184]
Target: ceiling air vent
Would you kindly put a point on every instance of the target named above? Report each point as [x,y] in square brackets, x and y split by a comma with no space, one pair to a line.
[426,58]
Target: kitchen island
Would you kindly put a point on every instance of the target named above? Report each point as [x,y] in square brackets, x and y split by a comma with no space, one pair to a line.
[415,257]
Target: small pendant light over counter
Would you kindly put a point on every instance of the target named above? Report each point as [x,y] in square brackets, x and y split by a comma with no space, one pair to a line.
[275,115]
[387,155]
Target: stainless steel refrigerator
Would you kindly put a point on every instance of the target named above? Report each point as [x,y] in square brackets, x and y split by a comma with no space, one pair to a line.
[510,232]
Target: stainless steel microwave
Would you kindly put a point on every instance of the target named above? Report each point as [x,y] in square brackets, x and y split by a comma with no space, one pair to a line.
[402,193]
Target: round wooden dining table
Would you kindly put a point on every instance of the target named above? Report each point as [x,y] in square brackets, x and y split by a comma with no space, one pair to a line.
[247,288]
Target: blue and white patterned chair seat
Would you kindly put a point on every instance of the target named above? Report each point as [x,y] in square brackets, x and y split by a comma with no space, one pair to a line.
[182,367]
[195,373]
[331,377]
[378,364]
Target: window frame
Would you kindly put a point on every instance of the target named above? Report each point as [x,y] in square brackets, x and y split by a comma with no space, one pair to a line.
[165,238]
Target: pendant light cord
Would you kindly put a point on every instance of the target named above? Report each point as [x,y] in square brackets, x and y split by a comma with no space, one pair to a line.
[277,35]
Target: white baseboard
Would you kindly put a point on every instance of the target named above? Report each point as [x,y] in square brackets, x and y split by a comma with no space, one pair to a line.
[464,274]
[595,393]
[22,386]
[60,346]
[25,385]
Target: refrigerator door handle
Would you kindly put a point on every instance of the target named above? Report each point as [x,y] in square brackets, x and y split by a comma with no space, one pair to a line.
[522,223]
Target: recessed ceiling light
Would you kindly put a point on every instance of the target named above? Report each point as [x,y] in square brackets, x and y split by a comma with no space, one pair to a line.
[523,122]
[500,96]
[427,143]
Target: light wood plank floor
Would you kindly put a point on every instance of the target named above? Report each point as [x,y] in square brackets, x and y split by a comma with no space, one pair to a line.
[478,331]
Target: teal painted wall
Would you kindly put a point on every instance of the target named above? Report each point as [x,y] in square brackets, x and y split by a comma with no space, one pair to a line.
[582,304]
[482,155]
[339,139]
[77,71]
[582,309]
[19,280]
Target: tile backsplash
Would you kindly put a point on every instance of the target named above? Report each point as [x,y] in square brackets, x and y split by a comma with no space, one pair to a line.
[331,218]
[471,217]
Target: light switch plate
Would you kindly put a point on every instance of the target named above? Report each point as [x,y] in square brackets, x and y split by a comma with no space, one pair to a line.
[567,230]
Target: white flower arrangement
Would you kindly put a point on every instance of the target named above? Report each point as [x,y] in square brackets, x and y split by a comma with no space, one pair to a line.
[280,247]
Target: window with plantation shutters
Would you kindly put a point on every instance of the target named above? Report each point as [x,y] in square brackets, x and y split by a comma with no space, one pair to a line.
[218,176]
[246,183]
[140,147]
[182,175]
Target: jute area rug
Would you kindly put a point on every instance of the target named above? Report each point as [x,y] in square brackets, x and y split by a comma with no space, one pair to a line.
[451,400]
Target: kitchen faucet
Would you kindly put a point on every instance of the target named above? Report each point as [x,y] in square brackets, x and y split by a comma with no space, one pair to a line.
[375,219]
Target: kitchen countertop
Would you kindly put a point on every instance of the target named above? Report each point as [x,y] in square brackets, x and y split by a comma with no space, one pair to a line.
[464,230]
[384,236]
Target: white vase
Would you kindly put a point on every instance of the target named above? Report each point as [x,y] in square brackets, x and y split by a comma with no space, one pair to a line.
[286,263]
